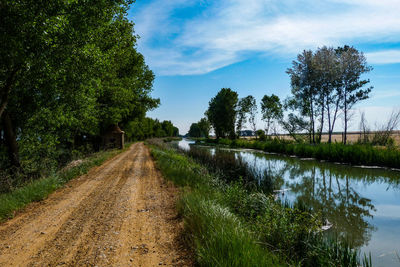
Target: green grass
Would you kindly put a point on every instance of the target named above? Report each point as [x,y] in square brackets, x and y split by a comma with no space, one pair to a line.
[39,189]
[218,236]
[355,154]
[229,224]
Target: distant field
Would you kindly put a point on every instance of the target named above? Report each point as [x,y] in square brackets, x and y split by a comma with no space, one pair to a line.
[352,137]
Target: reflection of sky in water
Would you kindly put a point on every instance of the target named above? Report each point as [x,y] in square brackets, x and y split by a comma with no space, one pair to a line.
[361,203]
[184,144]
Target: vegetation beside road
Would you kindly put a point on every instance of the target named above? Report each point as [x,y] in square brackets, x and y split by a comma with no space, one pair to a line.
[69,71]
[230,223]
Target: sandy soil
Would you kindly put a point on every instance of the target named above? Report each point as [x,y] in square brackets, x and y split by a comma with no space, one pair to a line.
[119,214]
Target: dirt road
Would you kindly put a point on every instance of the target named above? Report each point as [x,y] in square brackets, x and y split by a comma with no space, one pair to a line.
[119,214]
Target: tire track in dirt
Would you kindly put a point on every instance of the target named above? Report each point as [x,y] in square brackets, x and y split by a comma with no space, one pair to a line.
[60,199]
[113,216]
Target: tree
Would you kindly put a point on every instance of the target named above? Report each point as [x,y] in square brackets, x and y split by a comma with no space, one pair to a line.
[327,72]
[246,107]
[44,60]
[176,131]
[304,85]
[325,83]
[271,109]
[222,113]
[294,125]
[260,134]
[168,128]
[195,130]
[352,65]
[204,126]
[67,71]
[253,114]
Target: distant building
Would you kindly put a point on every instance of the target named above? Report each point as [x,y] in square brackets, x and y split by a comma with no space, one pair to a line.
[247,133]
[114,138]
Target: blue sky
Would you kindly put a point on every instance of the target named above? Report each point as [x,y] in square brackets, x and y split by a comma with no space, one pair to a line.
[198,47]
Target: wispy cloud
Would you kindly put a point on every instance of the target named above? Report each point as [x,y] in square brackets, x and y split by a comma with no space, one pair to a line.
[223,32]
[384,57]
[389,94]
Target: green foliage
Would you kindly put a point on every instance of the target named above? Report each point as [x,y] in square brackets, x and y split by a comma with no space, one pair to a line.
[195,130]
[219,236]
[261,135]
[325,82]
[222,113]
[247,106]
[205,127]
[68,70]
[143,128]
[200,129]
[271,109]
[229,224]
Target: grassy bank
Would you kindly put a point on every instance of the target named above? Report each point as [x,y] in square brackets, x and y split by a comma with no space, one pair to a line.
[229,224]
[170,139]
[39,189]
[354,154]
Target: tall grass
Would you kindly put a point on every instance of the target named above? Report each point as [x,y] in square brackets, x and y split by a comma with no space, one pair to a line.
[355,154]
[230,224]
[39,189]
[220,237]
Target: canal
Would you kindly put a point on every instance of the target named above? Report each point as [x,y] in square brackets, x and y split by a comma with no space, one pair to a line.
[361,205]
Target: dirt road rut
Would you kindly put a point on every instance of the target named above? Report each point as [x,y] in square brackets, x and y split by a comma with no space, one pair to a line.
[119,214]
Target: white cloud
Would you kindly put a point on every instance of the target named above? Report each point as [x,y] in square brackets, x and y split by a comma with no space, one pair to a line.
[227,30]
[384,57]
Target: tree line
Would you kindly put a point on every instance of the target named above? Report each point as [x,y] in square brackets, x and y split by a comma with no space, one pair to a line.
[69,70]
[325,83]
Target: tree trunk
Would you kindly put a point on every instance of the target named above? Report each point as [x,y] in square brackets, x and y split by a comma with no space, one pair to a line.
[312,122]
[5,91]
[335,116]
[345,116]
[322,125]
[267,129]
[10,140]
[329,125]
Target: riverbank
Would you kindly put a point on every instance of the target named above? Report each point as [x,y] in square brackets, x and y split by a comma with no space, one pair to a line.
[39,189]
[353,154]
[230,224]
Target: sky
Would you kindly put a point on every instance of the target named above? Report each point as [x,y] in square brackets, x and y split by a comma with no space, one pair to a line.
[195,48]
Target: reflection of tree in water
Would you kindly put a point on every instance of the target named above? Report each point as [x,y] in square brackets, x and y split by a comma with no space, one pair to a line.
[268,174]
[321,189]
[333,195]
